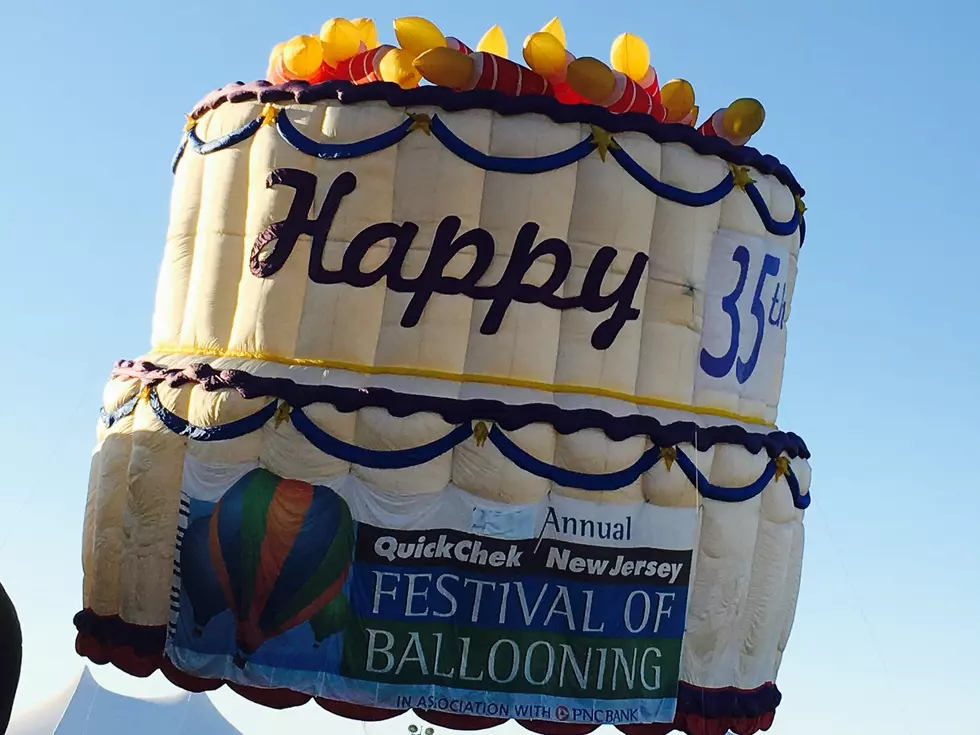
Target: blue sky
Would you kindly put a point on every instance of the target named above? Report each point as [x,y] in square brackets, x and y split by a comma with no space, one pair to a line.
[872,104]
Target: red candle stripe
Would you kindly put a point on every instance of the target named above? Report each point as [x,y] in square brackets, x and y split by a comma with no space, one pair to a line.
[506,76]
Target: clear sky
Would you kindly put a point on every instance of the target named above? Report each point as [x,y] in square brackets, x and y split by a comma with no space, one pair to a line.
[872,103]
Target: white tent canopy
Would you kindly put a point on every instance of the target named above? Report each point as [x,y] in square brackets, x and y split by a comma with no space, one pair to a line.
[86,708]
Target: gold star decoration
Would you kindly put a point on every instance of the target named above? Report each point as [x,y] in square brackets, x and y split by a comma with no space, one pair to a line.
[782,467]
[741,176]
[604,142]
[800,206]
[480,433]
[282,413]
[145,392]
[421,121]
[189,123]
[669,456]
[269,114]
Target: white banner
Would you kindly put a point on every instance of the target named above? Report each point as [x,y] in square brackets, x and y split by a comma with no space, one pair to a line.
[563,610]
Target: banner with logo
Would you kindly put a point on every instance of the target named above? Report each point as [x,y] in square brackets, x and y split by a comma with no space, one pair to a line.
[564,610]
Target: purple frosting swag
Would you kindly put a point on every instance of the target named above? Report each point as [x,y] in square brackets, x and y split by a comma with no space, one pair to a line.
[510,417]
[346,93]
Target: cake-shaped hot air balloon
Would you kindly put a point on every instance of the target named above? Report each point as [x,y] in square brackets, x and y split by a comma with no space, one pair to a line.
[461,401]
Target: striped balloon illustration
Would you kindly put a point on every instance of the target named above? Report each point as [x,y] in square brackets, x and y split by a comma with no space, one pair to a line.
[282,551]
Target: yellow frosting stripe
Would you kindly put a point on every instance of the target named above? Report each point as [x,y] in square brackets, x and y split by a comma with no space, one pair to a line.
[461,378]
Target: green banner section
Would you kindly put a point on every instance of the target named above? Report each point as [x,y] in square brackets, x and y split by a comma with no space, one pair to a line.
[511,661]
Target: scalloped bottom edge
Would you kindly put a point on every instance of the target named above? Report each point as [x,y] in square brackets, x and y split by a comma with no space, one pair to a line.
[139,651]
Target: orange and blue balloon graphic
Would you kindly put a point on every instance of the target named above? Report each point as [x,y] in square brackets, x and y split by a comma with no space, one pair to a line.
[280,552]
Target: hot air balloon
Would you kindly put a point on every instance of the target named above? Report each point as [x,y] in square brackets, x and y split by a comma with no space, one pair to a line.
[466,396]
[282,552]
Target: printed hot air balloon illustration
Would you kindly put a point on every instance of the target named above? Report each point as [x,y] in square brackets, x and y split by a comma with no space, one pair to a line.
[282,552]
[198,577]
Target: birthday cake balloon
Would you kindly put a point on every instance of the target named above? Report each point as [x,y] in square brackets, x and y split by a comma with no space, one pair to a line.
[462,396]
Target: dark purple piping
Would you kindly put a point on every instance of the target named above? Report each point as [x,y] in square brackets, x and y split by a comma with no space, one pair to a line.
[457,411]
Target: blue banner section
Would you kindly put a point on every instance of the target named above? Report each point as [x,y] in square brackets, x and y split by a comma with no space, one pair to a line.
[531,602]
